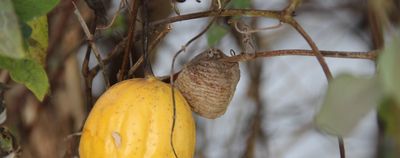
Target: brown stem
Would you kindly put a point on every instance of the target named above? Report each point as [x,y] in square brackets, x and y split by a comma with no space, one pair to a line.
[313,46]
[85,69]
[220,13]
[88,80]
[114,53]
[341,147]
[91,43]
[301,52]
[152,46]
[131,33]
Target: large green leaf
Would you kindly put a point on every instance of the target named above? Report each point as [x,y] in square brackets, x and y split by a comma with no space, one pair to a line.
[38,41]
[28,9]
[347,101]
[389,69]
[215,34]
[10,34]
[28,72]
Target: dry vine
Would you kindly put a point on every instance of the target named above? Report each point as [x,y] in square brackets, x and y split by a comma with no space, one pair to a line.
[284,16]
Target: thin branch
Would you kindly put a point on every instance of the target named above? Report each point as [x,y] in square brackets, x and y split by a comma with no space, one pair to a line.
[92,44]
[292,7]
[371,55]
[221,13]
[88,78]
[114,53]
[152,46]
[341,147]
[252,30]
[314,47]
[85,70]
[131,33]
[121,5]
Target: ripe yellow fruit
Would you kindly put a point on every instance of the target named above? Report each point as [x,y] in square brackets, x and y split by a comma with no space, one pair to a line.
[133,119]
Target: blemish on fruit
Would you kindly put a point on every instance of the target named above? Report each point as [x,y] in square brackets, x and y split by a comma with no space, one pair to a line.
[117,139]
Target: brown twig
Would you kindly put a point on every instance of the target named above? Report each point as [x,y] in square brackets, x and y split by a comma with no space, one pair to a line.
[121,5]
[284,16]
[221,13]
[92,44]
[313,46]
[152,46]
[301,52]
[131,34]
[85,69]
[114,53]
[254,30]
[85,72]
[341,147]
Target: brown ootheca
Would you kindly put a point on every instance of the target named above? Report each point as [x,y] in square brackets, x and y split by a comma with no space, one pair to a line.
[209,84]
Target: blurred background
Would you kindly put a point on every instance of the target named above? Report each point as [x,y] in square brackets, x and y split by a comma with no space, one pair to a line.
[272,112]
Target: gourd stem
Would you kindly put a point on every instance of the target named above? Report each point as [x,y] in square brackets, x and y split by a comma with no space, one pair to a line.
[145,17]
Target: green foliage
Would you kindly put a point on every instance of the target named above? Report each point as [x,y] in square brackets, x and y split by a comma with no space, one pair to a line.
[119,25]
[28,9]
[388,112]
[26,66]
[389,116]
[388,66]
[215,34]
[28,72]
[26,30]
[38,41]
[242,4]
[348,99]
[10,35]
[8,143]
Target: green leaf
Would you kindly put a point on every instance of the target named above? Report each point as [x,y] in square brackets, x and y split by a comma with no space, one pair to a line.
[10,34]
[28,72]
[389,115]
[26,30]
[24,67]
[38,41]
[28,9]
[242,4]
[347,101]
[215,34]
[388,66]
[118,26]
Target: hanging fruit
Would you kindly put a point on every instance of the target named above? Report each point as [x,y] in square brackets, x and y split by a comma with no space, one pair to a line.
[133,119]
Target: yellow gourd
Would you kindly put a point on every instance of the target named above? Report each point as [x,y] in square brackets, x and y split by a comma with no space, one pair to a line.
[133,119]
